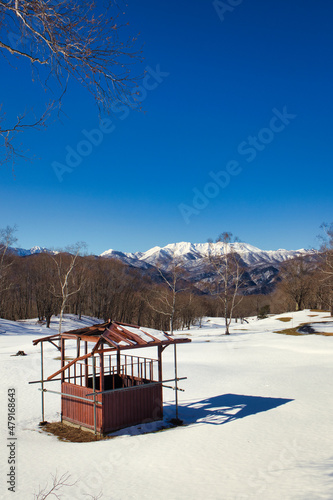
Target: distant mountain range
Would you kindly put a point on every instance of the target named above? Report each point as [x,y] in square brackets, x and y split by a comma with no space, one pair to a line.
[22,252]
[192,254]
[261,266]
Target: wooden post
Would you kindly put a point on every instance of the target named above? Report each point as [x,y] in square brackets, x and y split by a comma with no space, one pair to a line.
[159,351]
[86,368]
[118,362]
[101,371]
[94,390]
[62,347]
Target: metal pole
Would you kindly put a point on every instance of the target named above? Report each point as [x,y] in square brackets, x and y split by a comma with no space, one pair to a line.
[72,395]
[42,377]
[176,380]
[94,389]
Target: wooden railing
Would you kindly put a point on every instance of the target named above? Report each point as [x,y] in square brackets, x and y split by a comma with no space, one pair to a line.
[134,367]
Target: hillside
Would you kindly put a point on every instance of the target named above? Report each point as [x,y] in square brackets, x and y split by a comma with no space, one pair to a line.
[257,418]
[261,267]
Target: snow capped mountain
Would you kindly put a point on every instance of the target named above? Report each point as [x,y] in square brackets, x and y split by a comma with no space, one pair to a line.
[22,252]
[261,267]
[193,254]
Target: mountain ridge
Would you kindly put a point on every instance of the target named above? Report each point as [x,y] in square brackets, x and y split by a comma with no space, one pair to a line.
[261,267]
[191,253]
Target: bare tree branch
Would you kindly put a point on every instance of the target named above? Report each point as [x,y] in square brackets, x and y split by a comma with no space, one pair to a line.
[77,39]
[164,300]
[65,265]
[7,239]
[58,482]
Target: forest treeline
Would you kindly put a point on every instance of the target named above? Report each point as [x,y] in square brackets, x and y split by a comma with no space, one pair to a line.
[35,286]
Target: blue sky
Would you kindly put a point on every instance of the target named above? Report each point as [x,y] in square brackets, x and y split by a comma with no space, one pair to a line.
[212,112]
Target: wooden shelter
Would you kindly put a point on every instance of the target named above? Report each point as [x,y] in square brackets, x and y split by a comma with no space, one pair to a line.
[106,387]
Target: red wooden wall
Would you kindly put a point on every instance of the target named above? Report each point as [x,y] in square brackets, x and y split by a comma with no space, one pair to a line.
[140,404]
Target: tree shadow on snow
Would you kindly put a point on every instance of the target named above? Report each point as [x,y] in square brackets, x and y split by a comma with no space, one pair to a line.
[223,409]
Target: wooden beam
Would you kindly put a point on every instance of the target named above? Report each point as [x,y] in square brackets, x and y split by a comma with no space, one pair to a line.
[55,345]
[159,351]
[86,364]
[44,339]
[78,345]
[117,337]
[101,372]
[118,362]
[88,338]
[62,364]
[131,336]
[68,365]
[96,346]
[163,343]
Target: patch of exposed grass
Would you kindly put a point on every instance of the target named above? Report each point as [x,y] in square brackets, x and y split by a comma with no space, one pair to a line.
[67,358]
[71,434]
[289,331]
[285,319]
[319,310]
[293,331]
[312,315]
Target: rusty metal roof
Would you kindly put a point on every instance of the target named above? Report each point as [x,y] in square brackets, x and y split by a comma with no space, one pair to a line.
[118,336]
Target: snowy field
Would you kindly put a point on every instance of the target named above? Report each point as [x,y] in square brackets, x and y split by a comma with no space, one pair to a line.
[257,405]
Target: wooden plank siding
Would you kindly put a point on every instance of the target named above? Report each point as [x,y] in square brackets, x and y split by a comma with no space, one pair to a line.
[142,403]
[78,411]
[132,406]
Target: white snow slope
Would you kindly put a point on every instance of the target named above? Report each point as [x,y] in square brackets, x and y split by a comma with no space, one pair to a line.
[257,405]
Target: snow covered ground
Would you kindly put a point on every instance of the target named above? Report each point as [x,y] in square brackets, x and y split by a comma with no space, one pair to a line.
[258,410]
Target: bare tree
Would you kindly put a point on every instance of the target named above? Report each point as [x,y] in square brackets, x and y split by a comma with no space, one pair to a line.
[223,261]
[163,298]
[297,281]
[326,263]
[43,276]
[66,287]
[7,239]
[69,39]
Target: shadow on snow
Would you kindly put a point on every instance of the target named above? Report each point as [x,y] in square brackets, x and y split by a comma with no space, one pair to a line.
[223,409]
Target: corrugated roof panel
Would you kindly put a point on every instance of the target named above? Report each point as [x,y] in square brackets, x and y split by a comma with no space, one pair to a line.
[138,331]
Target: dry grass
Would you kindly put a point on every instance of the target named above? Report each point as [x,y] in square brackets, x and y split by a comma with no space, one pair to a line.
[71,434]
[285,319]
[290,331]
[293,331]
